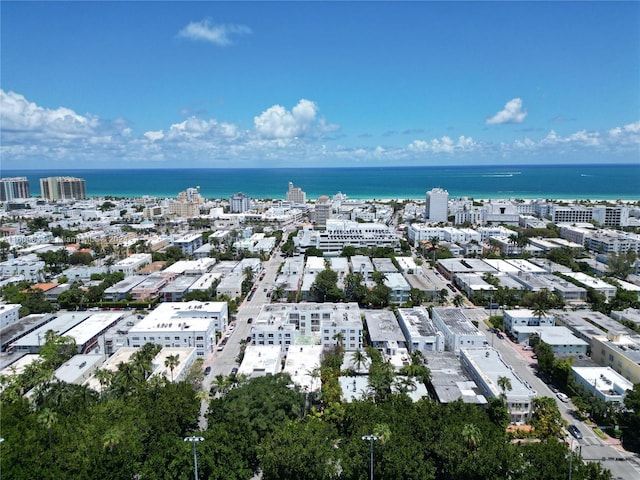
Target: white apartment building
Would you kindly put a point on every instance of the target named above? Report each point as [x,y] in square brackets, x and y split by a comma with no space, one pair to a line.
[9,314]
[608,290]
[28,266]
[419,330]
[500,212]
[309,324]
[342,233]
[612,241]
[457,329]
[526,317]
[437,206]
[132,263]
[189,243]
[486,366]
[181,325]
[603,382]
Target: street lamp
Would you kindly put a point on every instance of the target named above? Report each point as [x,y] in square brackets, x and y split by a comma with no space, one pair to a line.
[370,438]
[570,458]
[194,440]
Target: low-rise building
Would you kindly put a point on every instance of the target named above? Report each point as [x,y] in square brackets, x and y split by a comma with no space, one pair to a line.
[384,331]
[261,360]
[620,352]
[603,382]
[9,314]
[324,324]
[526,317]
[450,382]
[419,330]
[132,263]
[180,325]
[458,330]
[486,367]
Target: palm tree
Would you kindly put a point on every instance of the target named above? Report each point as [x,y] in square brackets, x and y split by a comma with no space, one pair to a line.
[171,362]
[379,277]
[103,376]
[48,418]
[458,301]
[358,358]
[505,384]
[404,384]
[472,435]
[539,311]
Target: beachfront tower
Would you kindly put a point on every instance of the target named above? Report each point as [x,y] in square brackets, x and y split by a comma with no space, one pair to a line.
[63,188]
[322,211]
[296,195]
[13,188]
[239,203]
[437,210]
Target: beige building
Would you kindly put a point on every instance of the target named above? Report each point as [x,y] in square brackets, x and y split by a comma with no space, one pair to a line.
[63,188]
[620,352]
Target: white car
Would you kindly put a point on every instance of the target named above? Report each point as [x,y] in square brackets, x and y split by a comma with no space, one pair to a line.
[562,397]
[527,348]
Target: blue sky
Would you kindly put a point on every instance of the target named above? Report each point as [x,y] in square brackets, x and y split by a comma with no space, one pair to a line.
[281,84]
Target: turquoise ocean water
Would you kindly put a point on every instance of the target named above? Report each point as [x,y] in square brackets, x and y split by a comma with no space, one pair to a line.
[524,181]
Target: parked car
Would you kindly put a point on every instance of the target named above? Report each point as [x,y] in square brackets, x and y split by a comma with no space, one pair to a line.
[527,348]
[207,371]
[250,320]
[573,430]
[562,397]
[500,336]
[234,370]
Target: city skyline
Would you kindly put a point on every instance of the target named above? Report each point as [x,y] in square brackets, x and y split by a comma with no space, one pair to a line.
[216,84]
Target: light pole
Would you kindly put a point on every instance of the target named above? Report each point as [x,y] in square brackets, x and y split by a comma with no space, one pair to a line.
[570,458]
[371,439]
[194,440]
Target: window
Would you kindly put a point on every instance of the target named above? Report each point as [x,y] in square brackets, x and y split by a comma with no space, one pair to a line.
[199,337]
[167,338]
[176,338]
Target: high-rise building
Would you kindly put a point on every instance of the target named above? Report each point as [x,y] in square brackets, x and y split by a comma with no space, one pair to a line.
[239,203]
[188,203]
[437,209]
[63,188]
[12,188]
[322,211]
[296,195]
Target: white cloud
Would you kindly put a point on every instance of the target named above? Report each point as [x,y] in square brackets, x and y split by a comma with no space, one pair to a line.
[153,136]
[278,123]
[511,113]
[578,138]
[444,144]
[20,115]
[627,135]
[218,34]
[37,136]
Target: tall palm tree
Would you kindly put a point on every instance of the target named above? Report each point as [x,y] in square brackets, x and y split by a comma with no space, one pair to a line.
[505,385]
[171,362]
